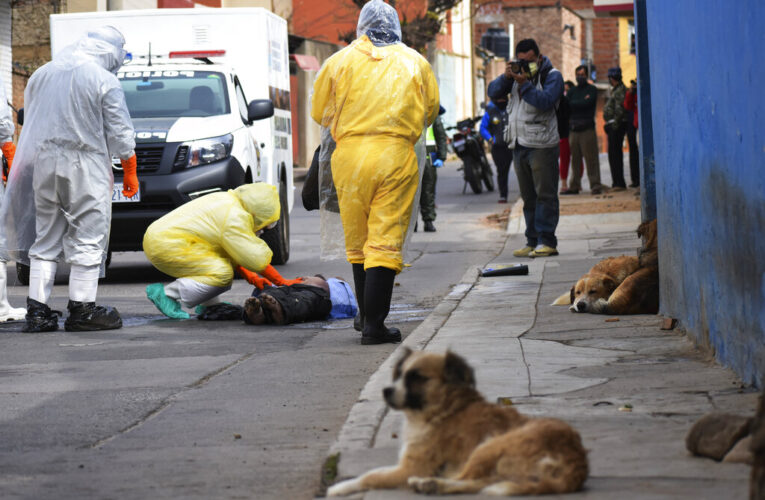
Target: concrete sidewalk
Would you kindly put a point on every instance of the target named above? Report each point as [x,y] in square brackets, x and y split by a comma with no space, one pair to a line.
[578,367]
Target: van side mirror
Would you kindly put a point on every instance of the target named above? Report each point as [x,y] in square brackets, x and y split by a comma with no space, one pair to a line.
[260,109]
[20,116]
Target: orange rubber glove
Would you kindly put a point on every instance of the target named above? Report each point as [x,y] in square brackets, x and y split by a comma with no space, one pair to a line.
[272,274]
[9,151]
[129,177]
[253,278]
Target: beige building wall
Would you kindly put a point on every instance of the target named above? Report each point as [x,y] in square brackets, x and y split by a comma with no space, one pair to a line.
[571,48]
[266,4]
[309,132]
[83,5]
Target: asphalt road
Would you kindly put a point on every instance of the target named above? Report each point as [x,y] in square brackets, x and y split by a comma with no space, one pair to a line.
[191,409]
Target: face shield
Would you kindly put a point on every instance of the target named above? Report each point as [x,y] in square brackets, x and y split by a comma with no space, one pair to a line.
[115,41]
[379,21]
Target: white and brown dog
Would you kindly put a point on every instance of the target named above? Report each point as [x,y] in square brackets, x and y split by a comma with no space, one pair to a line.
[457,442]
[620,285]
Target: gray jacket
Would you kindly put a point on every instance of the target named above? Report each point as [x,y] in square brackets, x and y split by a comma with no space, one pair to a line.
[532,120]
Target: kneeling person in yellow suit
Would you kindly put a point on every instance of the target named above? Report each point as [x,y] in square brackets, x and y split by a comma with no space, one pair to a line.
[201,243]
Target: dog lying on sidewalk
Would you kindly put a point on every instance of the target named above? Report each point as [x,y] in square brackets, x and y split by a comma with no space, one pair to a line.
[457,442]
[620,285]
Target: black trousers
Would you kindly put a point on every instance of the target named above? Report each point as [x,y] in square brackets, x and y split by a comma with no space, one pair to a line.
[634,154]
[299,302]
[616,156]
[503,158]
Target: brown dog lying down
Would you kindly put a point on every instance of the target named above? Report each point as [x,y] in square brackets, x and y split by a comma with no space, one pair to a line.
[471,445]
[620,285]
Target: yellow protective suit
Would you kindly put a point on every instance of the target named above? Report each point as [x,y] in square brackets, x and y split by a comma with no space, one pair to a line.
[376,101]
[205,238]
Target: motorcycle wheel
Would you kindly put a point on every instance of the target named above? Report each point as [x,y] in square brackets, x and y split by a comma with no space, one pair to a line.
[473,174]
[488,177]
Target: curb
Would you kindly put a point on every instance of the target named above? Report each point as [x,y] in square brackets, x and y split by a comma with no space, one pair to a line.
[366,415]
[516,224]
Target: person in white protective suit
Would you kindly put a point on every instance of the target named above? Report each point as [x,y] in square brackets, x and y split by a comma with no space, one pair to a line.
[75,119]
[7,313]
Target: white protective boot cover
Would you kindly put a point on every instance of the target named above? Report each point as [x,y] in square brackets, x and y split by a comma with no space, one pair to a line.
[8,313]
[83,283]
[42,274]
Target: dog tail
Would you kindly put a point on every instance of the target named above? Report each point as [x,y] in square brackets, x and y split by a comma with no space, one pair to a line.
[563,300]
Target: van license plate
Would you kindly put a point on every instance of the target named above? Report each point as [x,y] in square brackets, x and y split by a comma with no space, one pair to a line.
[118,197]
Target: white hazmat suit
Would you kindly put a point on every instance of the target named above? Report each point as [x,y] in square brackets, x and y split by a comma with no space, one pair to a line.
[7,313]
[75,119]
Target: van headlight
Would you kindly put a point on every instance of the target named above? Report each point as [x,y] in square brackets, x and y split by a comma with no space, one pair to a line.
[207,151]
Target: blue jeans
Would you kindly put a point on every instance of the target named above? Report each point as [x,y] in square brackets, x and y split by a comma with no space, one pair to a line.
[537,172]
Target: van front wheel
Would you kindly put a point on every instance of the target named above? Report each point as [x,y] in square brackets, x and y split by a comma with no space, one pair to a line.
[278,237]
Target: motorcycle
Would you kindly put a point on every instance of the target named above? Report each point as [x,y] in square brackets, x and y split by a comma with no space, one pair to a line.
[469,148]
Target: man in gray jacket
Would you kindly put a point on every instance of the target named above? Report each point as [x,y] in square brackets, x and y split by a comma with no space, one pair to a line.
[534,89]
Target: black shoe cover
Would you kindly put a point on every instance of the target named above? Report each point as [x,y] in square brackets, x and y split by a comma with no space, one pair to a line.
[89,317]
[386,336]
[358,323]
[221,312]
[377,297]
[40,318]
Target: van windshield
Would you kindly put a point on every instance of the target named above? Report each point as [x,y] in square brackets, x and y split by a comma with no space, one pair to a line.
[162,93]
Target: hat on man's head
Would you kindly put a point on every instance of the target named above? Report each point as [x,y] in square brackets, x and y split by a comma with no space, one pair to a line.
[615,73]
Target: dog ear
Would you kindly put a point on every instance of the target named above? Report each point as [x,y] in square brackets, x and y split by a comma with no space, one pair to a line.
[405,353]
[457,371]
[609,284]
[572,295]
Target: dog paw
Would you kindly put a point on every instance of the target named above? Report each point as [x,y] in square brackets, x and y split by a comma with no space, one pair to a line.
[343,488]
[426,485]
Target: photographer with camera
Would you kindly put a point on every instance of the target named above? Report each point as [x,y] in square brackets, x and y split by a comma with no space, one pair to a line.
[535,90]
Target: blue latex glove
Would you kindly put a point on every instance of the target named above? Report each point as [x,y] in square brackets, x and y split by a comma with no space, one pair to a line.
[438,163]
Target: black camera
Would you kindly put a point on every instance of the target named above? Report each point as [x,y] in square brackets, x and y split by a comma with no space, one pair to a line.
[520,67]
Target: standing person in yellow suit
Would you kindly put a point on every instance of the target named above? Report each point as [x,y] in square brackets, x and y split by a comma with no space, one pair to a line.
[376,96]
[202,241]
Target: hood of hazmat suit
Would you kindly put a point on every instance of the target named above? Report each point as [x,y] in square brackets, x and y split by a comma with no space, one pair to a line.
[375,98]
[76,118]
[206,238]
[379,22]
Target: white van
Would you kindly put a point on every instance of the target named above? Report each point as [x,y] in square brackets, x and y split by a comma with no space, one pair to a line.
[208,92]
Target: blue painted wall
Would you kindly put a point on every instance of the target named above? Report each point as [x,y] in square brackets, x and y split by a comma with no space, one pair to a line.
[707,91]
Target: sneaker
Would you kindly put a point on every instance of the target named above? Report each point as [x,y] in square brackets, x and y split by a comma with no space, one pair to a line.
[617,189]
[543,251]
[596,191]
[89,317]
[523,252]
[167,306]
[502,200]
[570,191]
[428,227]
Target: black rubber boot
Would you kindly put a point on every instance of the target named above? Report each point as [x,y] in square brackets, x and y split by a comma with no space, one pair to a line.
[429,227]
[40,318]
[89,317]
[377,295]
[359,280]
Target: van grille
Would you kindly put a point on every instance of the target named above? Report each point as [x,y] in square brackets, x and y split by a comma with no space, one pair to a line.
[181,157]
[149,158]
